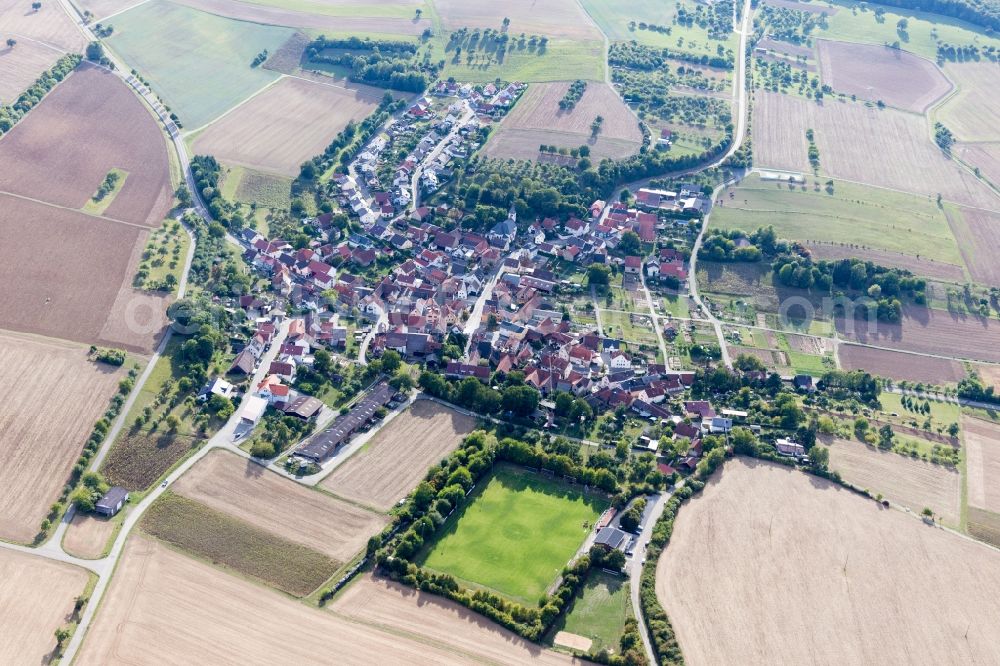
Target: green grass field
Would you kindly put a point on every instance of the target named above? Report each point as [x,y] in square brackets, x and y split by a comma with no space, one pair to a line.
[166,248]
[237,545]
[851,24]
[197,62]
[614,21]
[600,612]
[516,535]
[855,214]
[371,9]
[563,60]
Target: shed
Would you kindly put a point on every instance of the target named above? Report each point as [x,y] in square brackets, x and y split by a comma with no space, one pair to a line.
[112,502]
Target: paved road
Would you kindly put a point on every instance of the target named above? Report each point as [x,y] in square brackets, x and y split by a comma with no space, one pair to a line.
[476,316]
[381,322]
[597,310]
[433,155]
[633,566]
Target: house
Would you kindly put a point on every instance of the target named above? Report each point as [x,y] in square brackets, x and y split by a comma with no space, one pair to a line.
[283,369]
[503,233]
[456,370]
[252,411]
[217,386]
[112,502]
[244,363]
[611,538]
[720,424]
[803,383]
[787,447]
[633,264]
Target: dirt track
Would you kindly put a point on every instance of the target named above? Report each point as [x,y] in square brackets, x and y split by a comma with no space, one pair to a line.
[804,572]
[37,599]
[395,461]
[56,396]
[430,618]
[184,611]
[228,483]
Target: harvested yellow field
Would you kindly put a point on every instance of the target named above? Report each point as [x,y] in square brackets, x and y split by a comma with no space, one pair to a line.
[772,566]
[438,621]
[398,457]
[44,423]
[287,124]
[50,25]
[88,535]
[537,119]
[228,483]
[37,598]
[21,66]
[973,113]
[982,461]
[184,611]
[910,482]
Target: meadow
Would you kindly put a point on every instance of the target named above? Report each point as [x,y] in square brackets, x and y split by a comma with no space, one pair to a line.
[853,214]
[516,534]
[598,613]
[197,62]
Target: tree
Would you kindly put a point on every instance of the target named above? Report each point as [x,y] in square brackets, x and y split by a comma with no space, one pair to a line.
[11,42]
[819,457]
[95,52]
[391,361]
[36,5]
[885,436]
[521,400]
[598,275]
[630,243]
[401,382]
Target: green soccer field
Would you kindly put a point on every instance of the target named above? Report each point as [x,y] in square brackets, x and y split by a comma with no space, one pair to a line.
[197,62]
[516,535]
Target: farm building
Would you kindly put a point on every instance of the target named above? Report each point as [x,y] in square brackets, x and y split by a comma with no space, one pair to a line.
[112,502]
[611,538]
[304,407]
[253,410]
[787,447]
[321,445]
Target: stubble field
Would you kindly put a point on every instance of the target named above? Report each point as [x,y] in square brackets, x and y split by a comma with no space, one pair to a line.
[978,235]
[56,396]
[982,156]
[537,119]
[903,480]
[38,596]
[87,535]
[973,114]
[93,122]
[330,18]
[554,19]
[894,591]
[875,73]
[247,491]
[887,148]
[900,365]
[398,457]
[21,66]
[431,618]
[982,442]
[285,125]
[185,611]
[50,25]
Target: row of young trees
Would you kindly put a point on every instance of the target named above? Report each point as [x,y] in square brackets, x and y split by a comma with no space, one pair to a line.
[11,114]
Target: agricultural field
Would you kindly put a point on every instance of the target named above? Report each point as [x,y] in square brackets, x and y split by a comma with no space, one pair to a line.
[84,280]
[852,215]
[880,73]
[38,597]
[237,545]
[911,482]
[901,366]
[982,156]
[978,233]
[559,19]
[787,539]
[399,456]
[861,143]
[88,534]
[972,112]
[197,62]
[930,331]
[71,126]
[285,125]
[982,464]
[164,603]
[248,492]
[922,266]
[857,22]
[597,616]
[537,120]
[438,621]
[52,377]
[164,254]
[561,60]
[22,65]
[486,542]
[50,25]
[138,457]
[614,20]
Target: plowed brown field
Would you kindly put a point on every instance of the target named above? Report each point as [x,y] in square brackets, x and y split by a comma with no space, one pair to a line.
[874,73]
[398,457]
[900,365]
[245,490]
[805,572]
[56,396]
[90,123]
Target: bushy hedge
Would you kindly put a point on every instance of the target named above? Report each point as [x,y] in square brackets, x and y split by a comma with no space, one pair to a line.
[11,114]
